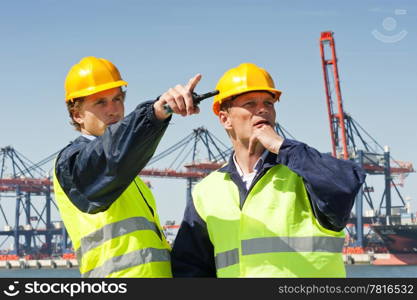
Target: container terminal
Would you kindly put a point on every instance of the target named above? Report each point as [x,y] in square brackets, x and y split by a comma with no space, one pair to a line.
[383,233]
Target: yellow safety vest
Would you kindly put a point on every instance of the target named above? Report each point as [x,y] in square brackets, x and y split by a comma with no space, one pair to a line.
[126,240]
[275,234]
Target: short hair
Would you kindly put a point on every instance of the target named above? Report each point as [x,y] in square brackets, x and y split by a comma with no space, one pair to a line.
[225,105]
[72,106]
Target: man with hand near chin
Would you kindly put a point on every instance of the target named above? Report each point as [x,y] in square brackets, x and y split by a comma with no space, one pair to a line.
[277,208]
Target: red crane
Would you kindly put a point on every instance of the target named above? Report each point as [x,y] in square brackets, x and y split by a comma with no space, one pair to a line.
[346,134]
[344,130]
[336,118]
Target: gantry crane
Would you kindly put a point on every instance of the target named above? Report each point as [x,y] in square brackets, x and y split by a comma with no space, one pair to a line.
[350,141]
[27,183]
[187,148]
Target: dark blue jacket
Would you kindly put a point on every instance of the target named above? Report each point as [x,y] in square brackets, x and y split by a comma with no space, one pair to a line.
[94,173]
[331,184]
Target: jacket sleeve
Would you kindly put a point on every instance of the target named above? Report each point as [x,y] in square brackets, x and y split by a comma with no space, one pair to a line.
[332,184]
[192,253]
[94,173]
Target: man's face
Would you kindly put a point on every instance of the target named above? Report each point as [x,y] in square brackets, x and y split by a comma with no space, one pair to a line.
[248,111]
[99,111]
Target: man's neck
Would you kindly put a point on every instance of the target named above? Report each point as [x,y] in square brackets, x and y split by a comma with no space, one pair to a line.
[245,160]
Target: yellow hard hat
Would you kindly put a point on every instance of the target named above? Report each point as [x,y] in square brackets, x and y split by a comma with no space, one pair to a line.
[91,75]
[246,77]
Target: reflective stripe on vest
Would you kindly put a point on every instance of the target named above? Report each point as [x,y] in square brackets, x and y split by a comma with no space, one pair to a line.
[128,260]
[114,230]
[292,244]
[227,258]
[280,244]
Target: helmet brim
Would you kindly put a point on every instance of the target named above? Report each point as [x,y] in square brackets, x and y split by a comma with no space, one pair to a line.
[95,89]
[224,97]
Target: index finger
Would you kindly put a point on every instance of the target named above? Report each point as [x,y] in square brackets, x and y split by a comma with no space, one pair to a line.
[193,82]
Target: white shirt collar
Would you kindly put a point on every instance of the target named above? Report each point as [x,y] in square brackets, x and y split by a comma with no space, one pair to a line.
[257,166]
[88,136]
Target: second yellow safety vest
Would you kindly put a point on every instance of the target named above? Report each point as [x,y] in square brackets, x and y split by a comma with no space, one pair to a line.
[274,234]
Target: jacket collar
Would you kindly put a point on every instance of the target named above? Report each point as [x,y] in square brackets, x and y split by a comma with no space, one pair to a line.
[269,162]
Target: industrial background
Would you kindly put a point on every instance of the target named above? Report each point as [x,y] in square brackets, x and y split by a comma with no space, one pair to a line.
[355,99]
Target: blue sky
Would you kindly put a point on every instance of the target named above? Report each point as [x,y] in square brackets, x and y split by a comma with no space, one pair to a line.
[157,44]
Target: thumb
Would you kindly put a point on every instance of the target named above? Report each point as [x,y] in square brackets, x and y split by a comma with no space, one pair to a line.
[252,144]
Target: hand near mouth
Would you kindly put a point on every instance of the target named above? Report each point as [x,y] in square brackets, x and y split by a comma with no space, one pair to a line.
[265,135]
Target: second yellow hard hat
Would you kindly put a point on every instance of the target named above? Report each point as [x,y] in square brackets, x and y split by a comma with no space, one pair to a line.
[246,77]
[91,75]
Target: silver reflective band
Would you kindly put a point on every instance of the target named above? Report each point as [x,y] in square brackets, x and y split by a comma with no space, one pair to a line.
[111,231]
[227,258]
[292,244]
[128,260]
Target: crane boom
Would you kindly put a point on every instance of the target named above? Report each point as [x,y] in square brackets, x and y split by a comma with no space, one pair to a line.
[336,118]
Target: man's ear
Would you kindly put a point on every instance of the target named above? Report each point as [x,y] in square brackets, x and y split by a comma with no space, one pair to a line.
[77,116]
[224,118]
